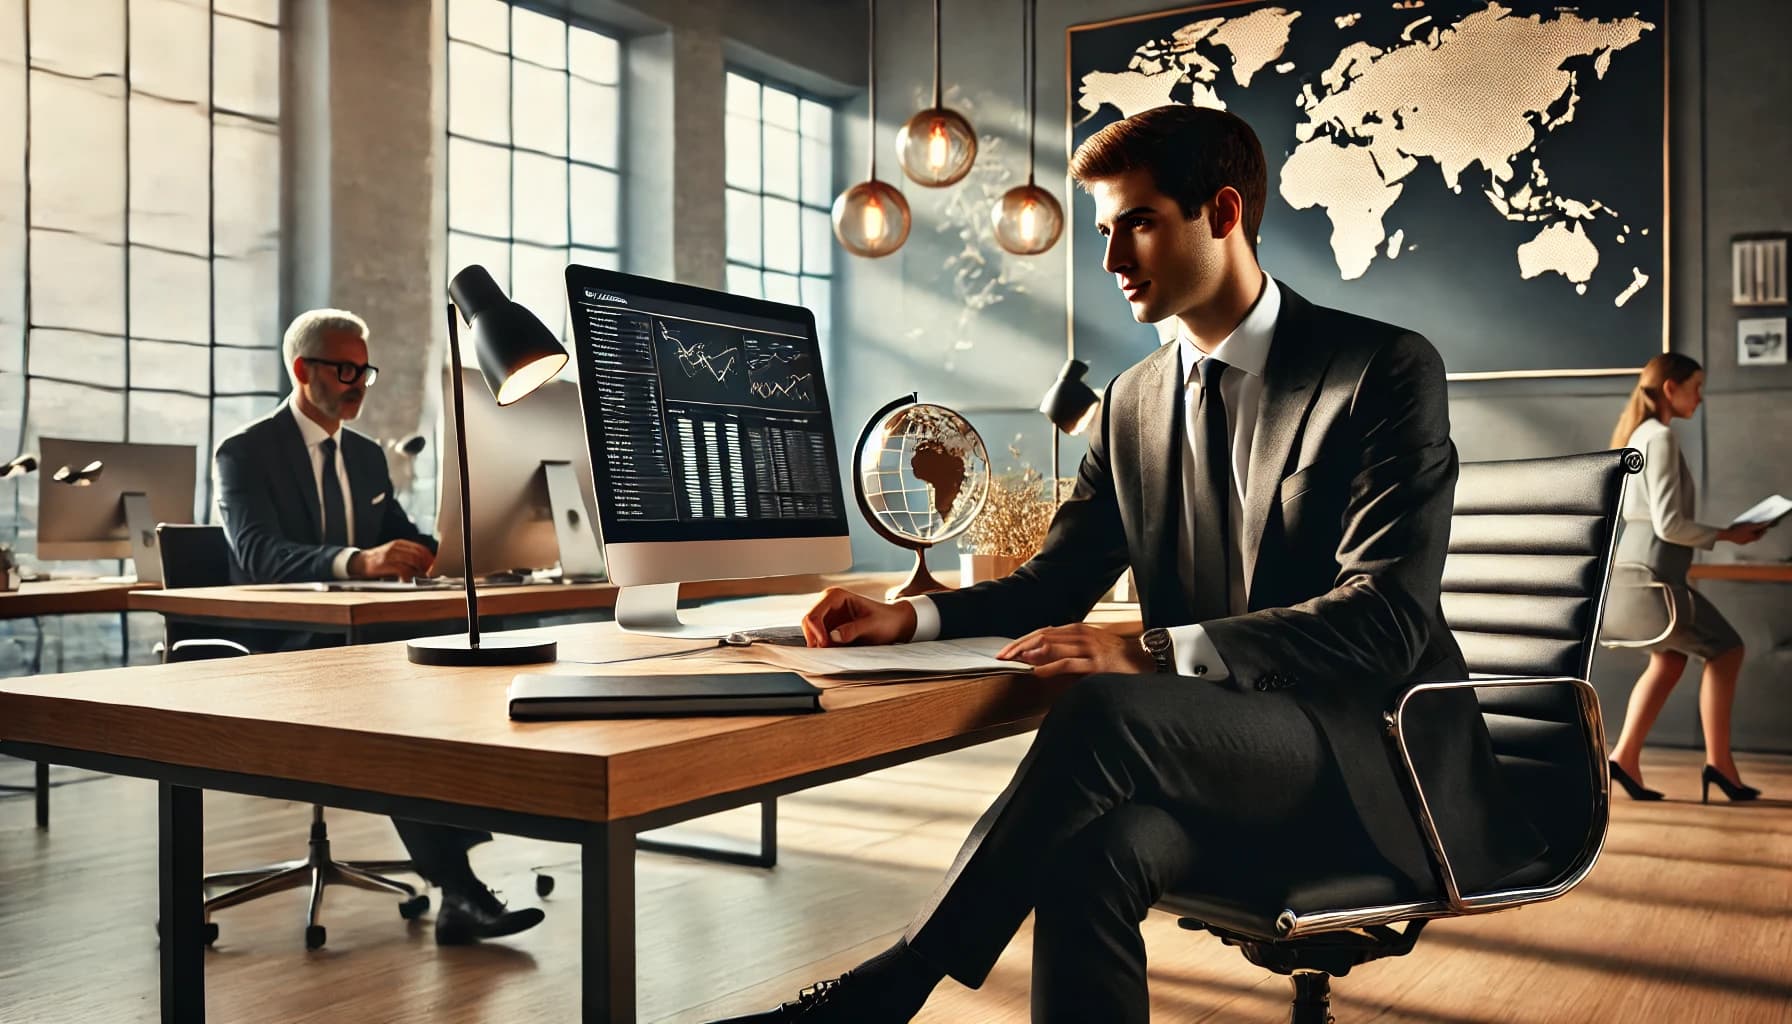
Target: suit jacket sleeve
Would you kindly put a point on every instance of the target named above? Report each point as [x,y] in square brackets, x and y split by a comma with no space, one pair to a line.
[1083,554]
[1375,623]
[1670,510]
[252,523]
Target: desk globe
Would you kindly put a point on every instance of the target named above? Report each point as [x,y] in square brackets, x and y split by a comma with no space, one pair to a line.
[921,475]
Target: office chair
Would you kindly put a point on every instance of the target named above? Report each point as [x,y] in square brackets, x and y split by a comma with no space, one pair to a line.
[1641,599]
[199,556]
[1523,590]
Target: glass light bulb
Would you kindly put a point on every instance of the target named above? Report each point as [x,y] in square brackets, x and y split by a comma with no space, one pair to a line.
[1027,220]
[936,147]
[871,219]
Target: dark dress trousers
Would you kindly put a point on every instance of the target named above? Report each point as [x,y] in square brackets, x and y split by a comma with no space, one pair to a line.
[1133,781]
[268,500]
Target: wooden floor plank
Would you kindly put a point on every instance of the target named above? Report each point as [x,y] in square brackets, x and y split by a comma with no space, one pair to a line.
[1688,917]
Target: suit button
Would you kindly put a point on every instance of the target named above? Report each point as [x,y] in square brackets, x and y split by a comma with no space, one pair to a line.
[1200,670]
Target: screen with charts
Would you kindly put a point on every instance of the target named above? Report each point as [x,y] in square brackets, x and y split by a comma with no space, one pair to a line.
[705,412]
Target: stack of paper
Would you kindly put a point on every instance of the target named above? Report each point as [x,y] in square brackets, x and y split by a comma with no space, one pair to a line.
[1769,510]
[972,656]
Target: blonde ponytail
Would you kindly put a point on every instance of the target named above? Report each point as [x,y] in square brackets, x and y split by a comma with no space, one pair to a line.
[1645,402]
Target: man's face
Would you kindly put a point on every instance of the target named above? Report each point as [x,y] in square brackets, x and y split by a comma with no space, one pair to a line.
[1165,263]
[324,389]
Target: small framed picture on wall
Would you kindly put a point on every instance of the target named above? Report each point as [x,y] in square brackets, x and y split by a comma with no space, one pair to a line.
[1761,341]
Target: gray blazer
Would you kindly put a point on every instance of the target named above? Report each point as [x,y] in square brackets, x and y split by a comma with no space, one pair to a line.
[1346,524]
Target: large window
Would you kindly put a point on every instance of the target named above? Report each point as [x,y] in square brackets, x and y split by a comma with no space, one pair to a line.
[139,225]
[534,140]
[780,172]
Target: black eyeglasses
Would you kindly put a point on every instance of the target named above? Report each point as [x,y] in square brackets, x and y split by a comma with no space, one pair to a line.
[348,373]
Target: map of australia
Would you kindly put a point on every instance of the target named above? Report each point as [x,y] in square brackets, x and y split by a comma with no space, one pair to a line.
[1472,97]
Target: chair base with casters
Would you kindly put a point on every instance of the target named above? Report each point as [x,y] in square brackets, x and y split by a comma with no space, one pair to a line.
[316,871]
[1311,965]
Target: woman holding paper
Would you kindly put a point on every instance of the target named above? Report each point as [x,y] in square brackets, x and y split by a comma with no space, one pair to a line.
[1660,534]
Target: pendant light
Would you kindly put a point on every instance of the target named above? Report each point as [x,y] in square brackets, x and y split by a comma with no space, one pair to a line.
[871,218]
[1028,219]
[937,146]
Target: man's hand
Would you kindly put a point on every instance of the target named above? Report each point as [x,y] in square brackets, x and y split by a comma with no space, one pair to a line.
[401,558]
[842,617]
[1078,650]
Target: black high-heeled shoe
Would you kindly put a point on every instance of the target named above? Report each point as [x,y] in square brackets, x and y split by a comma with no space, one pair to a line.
[1736,791]
[1632,788]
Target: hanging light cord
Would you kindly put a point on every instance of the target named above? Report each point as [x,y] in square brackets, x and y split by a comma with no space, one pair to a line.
[1028,33]
[871,91]
[936,54]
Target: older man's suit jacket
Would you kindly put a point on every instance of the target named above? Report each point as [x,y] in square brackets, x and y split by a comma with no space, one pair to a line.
[268,500]
[1346,522]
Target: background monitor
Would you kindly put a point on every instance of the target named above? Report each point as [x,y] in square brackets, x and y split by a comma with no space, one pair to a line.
[712,443]
[523,517]
[89,520]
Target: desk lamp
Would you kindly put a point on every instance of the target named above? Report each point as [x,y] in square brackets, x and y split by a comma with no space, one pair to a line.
[1071,405]
[516,355]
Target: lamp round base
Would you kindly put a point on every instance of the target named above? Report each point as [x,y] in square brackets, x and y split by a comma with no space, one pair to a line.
[492,650]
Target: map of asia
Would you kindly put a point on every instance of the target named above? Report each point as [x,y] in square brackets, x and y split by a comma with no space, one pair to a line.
[1491,174]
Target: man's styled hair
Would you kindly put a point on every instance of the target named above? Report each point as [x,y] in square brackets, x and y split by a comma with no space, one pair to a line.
[305,335]
[1191,152]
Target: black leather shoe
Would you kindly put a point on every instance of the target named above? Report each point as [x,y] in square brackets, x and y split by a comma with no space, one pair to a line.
[468,917]
[835,1001]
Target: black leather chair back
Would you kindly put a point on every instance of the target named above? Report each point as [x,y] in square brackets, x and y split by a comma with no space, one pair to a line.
[193,555]
[1523,589]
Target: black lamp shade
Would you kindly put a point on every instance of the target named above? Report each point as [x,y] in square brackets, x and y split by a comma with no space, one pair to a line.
[1070,404]
[516,353]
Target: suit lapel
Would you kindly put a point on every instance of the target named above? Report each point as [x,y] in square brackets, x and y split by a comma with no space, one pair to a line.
[1159,440]
[1296,363]
[297,460]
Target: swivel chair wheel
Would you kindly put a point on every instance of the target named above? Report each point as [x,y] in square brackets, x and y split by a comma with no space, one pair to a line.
[209,933]
[544,884]
[314,936]
[414,907]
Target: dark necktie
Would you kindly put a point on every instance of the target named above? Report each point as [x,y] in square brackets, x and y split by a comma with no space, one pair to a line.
[1211,493]
[335,512]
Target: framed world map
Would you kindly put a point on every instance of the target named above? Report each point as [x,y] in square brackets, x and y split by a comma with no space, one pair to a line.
[1490,174]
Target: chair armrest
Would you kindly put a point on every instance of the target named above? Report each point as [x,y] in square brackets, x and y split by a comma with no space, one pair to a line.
[205,650]
[1587,701]
[1648,580]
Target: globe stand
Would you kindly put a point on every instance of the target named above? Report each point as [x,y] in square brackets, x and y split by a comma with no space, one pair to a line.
[919,581]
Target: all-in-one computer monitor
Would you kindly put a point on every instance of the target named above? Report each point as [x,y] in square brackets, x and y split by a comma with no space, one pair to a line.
[531,484]
[103,499]
[712,447]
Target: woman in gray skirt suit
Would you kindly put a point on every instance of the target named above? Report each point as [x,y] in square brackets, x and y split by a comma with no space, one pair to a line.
[1660,533]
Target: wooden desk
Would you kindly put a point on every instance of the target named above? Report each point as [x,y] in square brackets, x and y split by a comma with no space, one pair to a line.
[66,597]
[59,597]
[352,612]
[1753,572]
[363,728]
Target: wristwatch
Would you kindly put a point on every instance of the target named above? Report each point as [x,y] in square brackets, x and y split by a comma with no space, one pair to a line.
[1156,643]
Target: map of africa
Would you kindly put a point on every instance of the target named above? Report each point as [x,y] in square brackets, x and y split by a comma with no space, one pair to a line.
[1489,173]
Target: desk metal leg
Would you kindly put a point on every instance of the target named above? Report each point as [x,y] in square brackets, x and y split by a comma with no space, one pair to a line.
[43,794]
[183,905]
[767,857]
[608,910]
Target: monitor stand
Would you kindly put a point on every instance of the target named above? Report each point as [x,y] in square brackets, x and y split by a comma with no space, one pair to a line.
[581,561]
[653,609]
[140,523]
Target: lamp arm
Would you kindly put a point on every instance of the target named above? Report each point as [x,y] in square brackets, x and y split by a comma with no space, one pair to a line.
[466,500]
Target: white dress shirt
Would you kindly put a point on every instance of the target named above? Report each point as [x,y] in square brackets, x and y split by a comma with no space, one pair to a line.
[1244,351]
[315,435]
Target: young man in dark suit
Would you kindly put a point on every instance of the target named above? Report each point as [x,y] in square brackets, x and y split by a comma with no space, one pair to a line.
[1279,479]
[304,498]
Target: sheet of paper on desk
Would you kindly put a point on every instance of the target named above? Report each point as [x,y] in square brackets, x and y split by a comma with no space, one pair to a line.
[1768,510]
[931,657]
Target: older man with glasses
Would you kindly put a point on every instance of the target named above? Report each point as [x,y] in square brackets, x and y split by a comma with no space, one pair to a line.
[303,498]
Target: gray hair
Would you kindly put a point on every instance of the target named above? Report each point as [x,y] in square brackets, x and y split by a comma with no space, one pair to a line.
[305,335]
